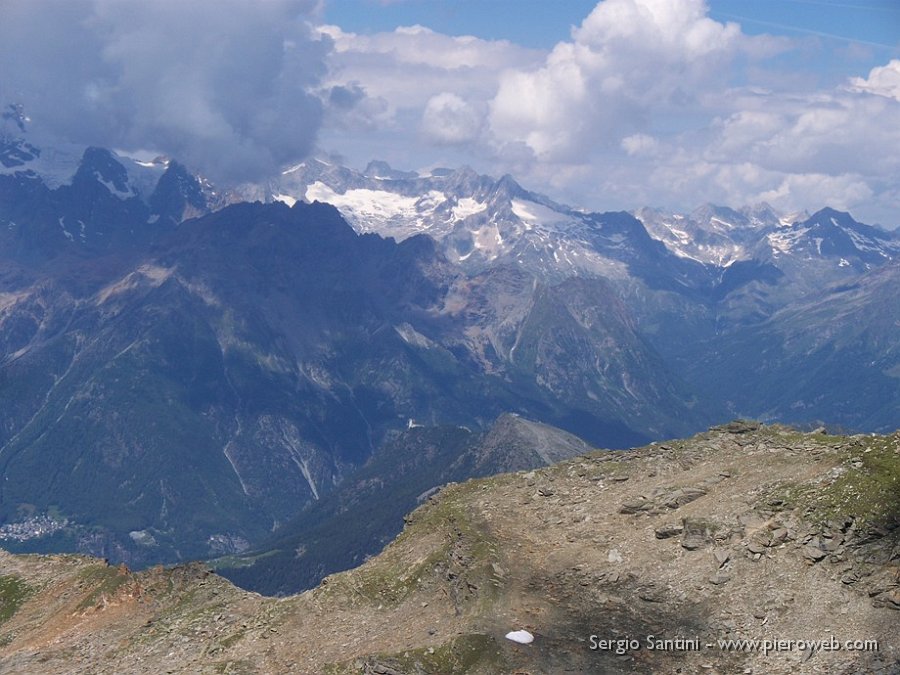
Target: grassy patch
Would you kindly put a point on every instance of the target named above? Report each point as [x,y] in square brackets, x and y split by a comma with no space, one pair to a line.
[390,585]
[237,560]
[454,546]
[791,437]
[866,487]
[105,582]
[233,639]
[13,591]
[701,525]
[869,488]
[472,653]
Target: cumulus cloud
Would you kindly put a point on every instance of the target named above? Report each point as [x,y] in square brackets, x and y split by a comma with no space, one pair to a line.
[407,68]
[628,59]
[640,144]
[449,119]
[227,87]
[648,102]
[652,101]
[842,191]
[882,80]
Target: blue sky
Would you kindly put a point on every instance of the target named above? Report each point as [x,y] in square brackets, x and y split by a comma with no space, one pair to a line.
[873,24]
[842,37]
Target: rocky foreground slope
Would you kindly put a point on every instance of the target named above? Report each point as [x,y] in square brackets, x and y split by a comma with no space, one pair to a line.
[742,532]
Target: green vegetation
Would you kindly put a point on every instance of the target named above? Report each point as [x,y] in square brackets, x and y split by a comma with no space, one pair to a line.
[233,639]
[54,512]
[464,552]
[104,581]
[471,653]
[235,561]
[869,488]
[793,436]
[13,591]
[866,486]
[706,527]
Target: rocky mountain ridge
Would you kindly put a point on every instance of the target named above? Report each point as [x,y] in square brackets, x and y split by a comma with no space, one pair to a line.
[361,515]
[741,533]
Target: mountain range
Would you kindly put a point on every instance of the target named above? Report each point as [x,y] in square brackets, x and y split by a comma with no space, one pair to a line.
[188,373]
[711,286]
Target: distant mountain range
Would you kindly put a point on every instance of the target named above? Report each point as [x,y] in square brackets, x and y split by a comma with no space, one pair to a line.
[714,285]
[184,370]
[178,388]
[479,221]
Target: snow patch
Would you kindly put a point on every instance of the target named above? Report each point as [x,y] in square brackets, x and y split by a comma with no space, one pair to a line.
[784,242]
[10,299]
[533,213]
[413,337]
[362,205]
[109,185]
[430,201]
[466,207]
[863,243]
[234,467]
[56,166]
[293,169]
[682,236]
[303,465]
[285,199]
[723,223]
[62,226]
[488,241]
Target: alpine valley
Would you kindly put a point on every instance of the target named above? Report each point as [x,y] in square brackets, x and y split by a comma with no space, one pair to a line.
[251,373]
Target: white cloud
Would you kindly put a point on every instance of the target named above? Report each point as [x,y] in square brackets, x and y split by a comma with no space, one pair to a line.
[449,119]
[653,102]
[225,87]
[640,144]
[415,80]
[417,45]
[663,30]
[629,61]
[648,102]
[882,80]
[406,67]
[841,191]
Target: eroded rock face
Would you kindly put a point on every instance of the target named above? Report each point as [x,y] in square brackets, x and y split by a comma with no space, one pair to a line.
[796,535]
